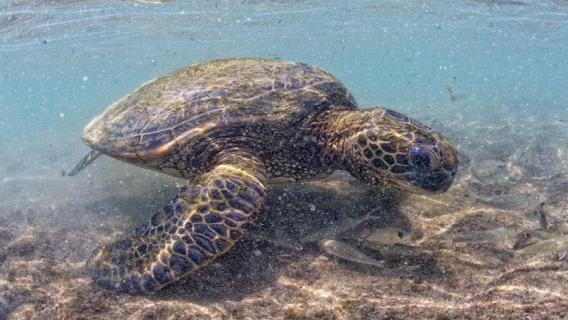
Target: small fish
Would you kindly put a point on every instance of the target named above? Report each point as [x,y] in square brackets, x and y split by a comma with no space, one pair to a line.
[507,237]
[341,250]
[386,236]
[553,245]
[490,235]
[344,225]
[516,200]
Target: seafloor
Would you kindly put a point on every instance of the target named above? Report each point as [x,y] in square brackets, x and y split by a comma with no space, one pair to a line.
[494,246]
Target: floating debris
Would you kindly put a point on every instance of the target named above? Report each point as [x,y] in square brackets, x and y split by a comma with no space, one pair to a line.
[453,96]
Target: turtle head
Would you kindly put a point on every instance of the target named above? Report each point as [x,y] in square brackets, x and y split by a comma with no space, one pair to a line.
[391,149]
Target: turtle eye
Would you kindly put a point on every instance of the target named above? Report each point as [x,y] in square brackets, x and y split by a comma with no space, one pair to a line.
[419,158]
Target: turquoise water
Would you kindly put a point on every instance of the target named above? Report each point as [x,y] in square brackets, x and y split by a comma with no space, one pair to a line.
[72,58]
[491,75]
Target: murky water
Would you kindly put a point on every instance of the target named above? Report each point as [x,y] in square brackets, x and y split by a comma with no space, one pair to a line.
[489,75]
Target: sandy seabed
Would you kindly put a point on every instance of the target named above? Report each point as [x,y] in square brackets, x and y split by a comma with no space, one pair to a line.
[494,246]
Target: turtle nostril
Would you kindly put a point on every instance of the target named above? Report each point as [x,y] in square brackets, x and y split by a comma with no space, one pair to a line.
[419,157]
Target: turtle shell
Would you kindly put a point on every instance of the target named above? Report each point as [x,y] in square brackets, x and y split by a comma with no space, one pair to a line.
[173,109]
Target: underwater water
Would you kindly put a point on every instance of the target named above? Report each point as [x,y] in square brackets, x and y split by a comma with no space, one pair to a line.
[491,75]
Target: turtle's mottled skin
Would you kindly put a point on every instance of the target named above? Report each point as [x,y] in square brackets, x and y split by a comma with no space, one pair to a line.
[230,127]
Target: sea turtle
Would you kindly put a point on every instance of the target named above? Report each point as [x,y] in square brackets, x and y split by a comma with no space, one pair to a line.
[230,127]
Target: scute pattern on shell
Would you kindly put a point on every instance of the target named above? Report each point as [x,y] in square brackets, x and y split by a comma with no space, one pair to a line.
[210,94]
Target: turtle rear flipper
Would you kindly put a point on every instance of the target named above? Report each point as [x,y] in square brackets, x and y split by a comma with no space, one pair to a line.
[203,221]
[90,157]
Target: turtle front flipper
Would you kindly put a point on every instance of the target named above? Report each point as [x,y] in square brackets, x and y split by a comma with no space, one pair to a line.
[203,221]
